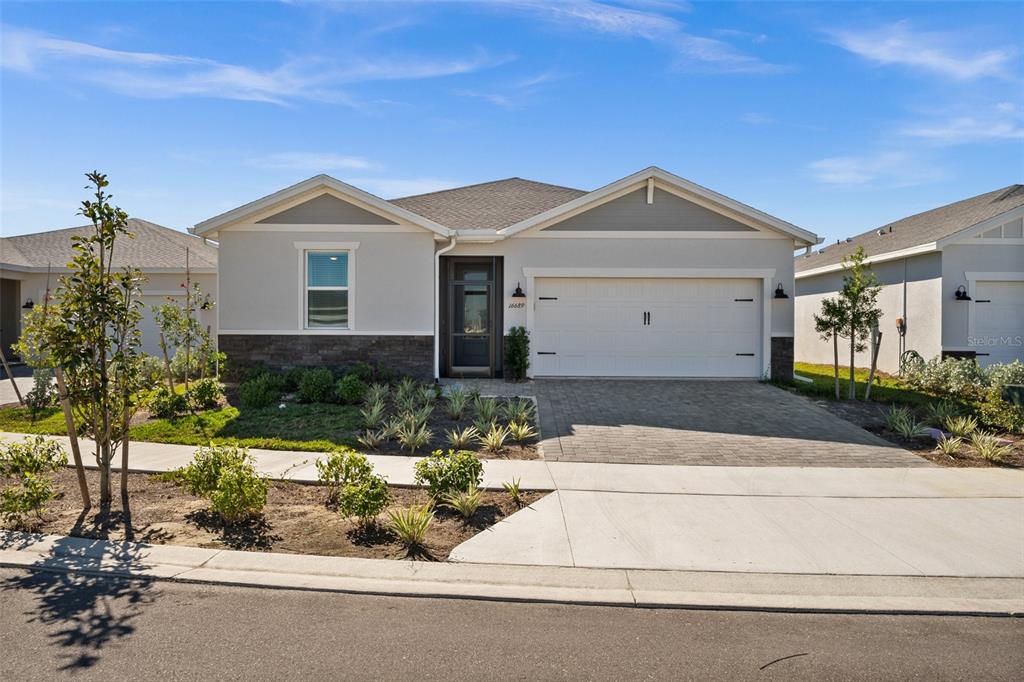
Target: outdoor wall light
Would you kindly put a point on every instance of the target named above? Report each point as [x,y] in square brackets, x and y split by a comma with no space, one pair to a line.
[518,293]
[961,293]
[29,304]
[779,292]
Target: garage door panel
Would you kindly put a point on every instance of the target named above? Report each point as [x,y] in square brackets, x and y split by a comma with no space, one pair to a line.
[696,327]
[999,322]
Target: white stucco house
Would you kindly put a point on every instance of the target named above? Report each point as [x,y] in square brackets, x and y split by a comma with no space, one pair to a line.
[651,275]
[158,251]
[954,277]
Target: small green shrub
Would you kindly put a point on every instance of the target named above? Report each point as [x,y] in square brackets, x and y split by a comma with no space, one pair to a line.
[521,432]
[370,439]
[167,404]
[292,378]
[351,389]
[316,386]
[205,394]
[413,435]
[466,502]
[949,446]
[483,426]
[364,499]
[1004,374]
[514,491]
[460,439]
[426,394]
[338,469]
[405,389]
[493,441]
[456,402]
[43,393]
[377,393]
[517,353]
[957,378]
[373,414]
[486,409]
[447,472]
[996,413]
[200,476]
[940,411]
[962,427]
[30,462]
[517,410]
[226,475]
[902,421]
[411,525]
[989,448]
[262,390]
[151,371]
[362,371]
[422,414]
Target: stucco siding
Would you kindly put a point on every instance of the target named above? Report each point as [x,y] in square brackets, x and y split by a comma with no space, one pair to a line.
[326,210]
[732,254]
[391,287]
[958,260]
[632,212]
[910,289]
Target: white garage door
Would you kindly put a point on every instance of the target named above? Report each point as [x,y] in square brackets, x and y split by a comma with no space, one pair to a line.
[999,321]
[647,327]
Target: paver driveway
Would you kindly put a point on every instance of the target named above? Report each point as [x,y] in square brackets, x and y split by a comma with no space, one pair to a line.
[733,423]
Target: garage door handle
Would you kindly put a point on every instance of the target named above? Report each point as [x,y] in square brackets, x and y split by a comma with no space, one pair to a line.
[546,352]
[743,300]
[983,300]
[548,298]
[746,355]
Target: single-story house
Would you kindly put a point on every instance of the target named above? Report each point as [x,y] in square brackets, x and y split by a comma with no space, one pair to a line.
[158,251]
[651,275]
[952,280]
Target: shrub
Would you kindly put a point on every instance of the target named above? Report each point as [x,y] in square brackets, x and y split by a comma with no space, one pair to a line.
[362,371]
[518,410]
[167,404]
[466,502]
[351,389]
[949,446]
[292,378]
[521,432]
[940,411]
[962,426]
[422,413]
[377,393]
[364,499]
[989,448]
[517,353]
[902,421]
[411,525]
[240,493]
[486,409]
[339,469]
[316,386]
[413,435]
[371,440]
[456,403]
[494,440]
[447,472]
[262,390]
[1000,414]
[961,378]
[43,393]
[462,439]
[427,395]
[205,394]
[405,389]
[151,371]
[1000,375]
[202,473]
[30,462]
[514,491]
[373,414]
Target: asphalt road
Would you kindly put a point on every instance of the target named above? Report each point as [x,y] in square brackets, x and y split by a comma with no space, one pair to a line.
[52,625]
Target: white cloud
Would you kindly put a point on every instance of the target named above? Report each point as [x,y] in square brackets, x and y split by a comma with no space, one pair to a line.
[514,94]
[897,44]
[316,162]
[391,188]
[894,169]
[163,76]
[1003,122]
[646,23]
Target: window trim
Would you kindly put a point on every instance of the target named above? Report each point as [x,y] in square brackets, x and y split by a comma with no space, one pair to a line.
[304,248]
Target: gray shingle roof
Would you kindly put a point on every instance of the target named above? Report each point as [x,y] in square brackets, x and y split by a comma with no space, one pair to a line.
[154,246]
[922,228]
[488,205]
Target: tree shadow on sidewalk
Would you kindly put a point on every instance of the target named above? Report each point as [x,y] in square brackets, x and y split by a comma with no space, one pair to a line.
[83,607]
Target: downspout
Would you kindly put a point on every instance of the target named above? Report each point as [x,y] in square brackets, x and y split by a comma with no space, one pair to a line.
[437,303]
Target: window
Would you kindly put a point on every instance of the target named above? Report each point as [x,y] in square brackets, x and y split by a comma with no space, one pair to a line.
[327,289]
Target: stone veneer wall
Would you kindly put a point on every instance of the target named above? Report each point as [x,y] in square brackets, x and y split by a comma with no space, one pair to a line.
[782,358]
[413,355]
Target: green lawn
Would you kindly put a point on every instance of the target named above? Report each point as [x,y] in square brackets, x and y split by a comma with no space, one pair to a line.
[887,389]
[313,427]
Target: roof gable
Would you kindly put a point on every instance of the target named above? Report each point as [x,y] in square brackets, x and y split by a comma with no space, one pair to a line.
[325,209]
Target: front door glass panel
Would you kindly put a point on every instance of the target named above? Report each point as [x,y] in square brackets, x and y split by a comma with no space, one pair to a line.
[471,338]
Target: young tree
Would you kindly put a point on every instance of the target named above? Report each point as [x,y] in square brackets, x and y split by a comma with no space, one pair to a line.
[91,332]
[182,332]
[829,325]
[859,295]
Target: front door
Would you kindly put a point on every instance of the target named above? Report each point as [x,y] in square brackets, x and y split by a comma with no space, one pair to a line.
[472,314]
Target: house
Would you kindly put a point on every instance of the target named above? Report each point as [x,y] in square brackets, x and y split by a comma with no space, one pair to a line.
[651,275]
[158,251]
[952,280]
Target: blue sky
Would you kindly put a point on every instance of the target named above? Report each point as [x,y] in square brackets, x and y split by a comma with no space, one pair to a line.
[835,116]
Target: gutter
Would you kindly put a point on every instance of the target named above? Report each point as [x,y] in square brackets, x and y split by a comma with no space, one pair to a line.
[437,302]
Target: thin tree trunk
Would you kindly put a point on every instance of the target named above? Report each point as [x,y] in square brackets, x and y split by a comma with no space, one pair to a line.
[852,392]
[876,343]
[835,363]
[76,453]
[124,455]
[167,362]
[10,376]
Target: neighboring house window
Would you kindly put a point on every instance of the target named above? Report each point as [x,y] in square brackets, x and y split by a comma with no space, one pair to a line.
[327,289]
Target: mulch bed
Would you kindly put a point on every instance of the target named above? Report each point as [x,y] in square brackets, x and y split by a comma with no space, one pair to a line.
[871,417]
[296,520]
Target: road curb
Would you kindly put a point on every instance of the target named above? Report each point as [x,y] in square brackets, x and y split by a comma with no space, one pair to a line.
[905,595]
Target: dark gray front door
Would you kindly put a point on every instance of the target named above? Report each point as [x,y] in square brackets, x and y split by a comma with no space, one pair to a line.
[471,316]
[10,314]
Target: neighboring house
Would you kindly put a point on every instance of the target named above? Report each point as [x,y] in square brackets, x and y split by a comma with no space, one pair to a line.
[651,275]
[975,246]
[158,251]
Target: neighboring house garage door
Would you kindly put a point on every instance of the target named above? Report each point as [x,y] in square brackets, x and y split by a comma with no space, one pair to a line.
[647,327]
[999,321]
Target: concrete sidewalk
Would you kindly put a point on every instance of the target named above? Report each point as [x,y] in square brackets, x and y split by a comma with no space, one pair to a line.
[635,588]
